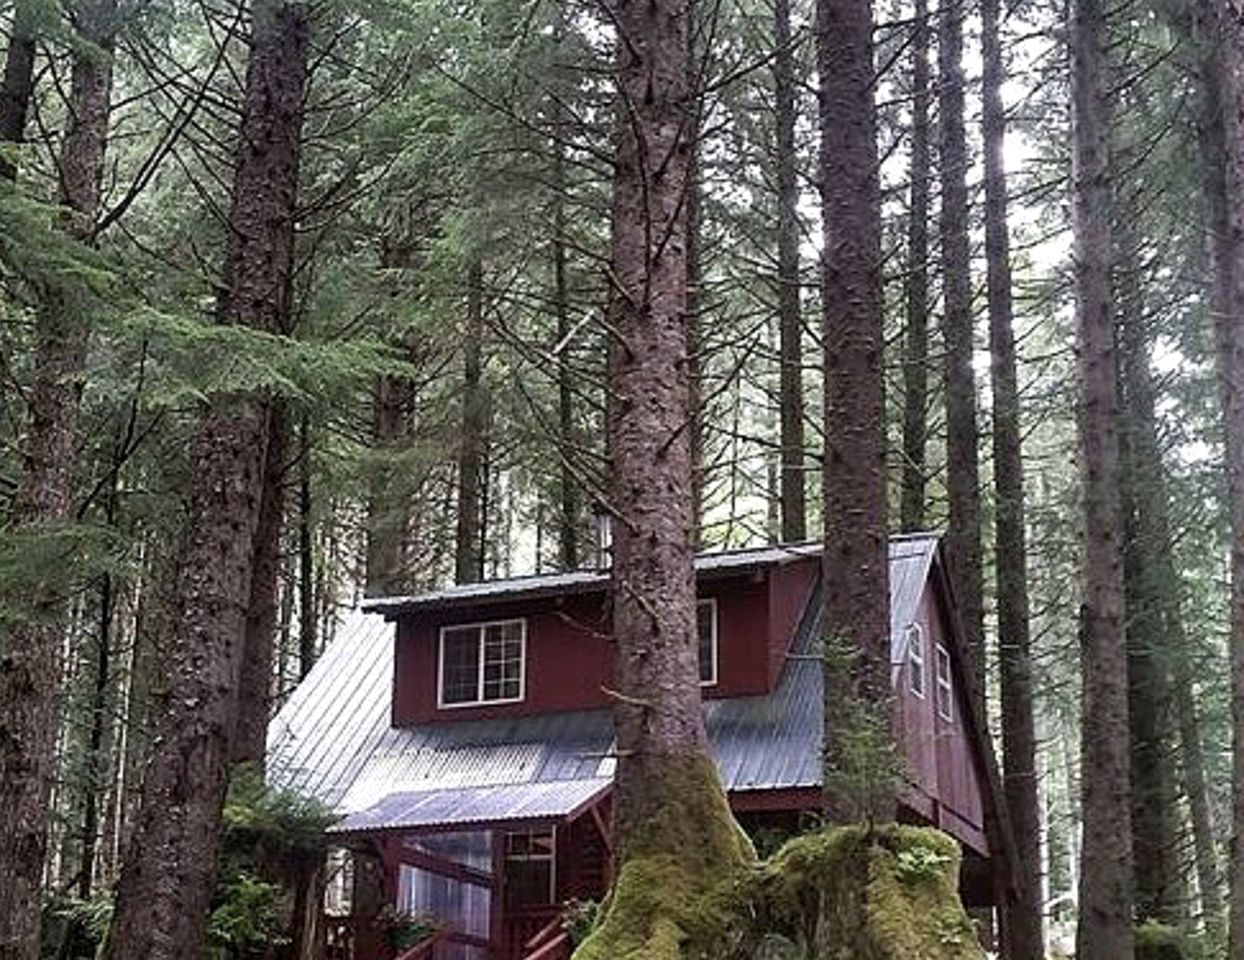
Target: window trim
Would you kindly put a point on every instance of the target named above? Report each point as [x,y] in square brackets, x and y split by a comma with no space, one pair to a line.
[942,654]
[481,627]
[912,656]
[711,603]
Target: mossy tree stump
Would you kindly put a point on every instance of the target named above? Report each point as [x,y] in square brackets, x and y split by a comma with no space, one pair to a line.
[848,893]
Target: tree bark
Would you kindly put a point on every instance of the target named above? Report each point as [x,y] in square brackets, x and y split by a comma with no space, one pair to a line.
[916,286]
[790,319]
[1022,917]
[165,888]
[473,443]
[259,644]
[855,565]
[963,536]
[31,659]
[308,630]
[387,514]
[1224,83]
[18,84]
[665,781]
[568,493]
[1105,916]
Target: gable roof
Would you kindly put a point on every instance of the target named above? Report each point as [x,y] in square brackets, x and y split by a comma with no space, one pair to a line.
[333,738]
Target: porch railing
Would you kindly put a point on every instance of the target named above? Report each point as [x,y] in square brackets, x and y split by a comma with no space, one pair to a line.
[551,942]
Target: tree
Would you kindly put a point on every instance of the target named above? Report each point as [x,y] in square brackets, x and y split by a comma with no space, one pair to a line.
[473,440]
[1105,917]
[668,800]
[18,84]
[166,883]
[855,565]
[31,661]
[916,285]
[1224,137]
[790,315]
[1022,926]
[963,536]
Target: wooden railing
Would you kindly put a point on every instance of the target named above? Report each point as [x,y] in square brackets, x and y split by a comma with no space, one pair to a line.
[551,942]
[424,949]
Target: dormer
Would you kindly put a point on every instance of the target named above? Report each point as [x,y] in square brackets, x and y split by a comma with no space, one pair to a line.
[535,645]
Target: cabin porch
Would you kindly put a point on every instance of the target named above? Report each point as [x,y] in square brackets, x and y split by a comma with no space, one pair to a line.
[488,879]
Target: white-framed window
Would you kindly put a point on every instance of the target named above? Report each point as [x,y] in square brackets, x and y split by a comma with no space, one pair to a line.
[706,629]
[482,663]
[916,681]
[945,685]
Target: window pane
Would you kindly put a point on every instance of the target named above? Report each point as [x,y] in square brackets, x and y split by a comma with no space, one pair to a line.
[945,687]
[915,659]
[529,868]
[460,665]
[503,660]
[706,617]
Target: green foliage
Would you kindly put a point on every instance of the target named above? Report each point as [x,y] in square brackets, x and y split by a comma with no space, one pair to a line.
[580,918]
[1159,941]
[261,821]
[248,917]
[920,863]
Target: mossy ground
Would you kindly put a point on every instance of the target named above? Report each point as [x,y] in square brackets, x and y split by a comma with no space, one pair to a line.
[848,893]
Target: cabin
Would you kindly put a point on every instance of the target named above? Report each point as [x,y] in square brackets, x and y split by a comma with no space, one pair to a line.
[464,737]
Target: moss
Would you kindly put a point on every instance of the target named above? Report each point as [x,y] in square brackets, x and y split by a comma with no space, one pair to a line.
[849,893]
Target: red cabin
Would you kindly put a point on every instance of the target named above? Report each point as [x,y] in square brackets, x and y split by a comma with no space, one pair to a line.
[466,739]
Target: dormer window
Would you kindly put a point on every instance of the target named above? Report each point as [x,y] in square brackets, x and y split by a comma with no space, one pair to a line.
[945,687]
[706,627]
[915,660]
[482,663]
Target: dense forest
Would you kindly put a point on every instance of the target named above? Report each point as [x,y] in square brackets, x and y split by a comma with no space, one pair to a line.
[302,302]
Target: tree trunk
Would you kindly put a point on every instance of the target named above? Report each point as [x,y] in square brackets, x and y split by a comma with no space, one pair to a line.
[916,286]
[308,631]
[855,566]
[387,513]
[963,538]
[473,443]
[31,661]
[166,884]
[668,800]
[1151,600]
[1022,918]
[1224,64]
[568,493]
[1105,915]
[790,319]
[18,88]
[255,682]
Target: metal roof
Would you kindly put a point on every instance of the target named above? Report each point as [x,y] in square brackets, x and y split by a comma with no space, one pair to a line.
[332,738]
[580,581]
[549,800]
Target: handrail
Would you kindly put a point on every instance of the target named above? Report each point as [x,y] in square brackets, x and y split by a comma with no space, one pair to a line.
[557,947]
[546,931]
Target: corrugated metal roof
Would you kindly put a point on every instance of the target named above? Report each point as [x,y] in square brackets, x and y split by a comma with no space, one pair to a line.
[332,738]
[548,800]
[579,581]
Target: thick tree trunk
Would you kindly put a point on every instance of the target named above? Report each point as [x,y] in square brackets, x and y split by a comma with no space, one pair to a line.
[1224,80]
[387,514]
[668,800]
[1105,916]
[31,653]
[255,682]
[916,286]
[18,84]
[1022,918]
[166,884]
[855,566]
[963,538]
[473,443]
[790,318]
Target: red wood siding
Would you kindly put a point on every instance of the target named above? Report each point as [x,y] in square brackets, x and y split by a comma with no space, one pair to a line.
[569,655]
[790,585]
[941,762]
